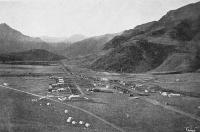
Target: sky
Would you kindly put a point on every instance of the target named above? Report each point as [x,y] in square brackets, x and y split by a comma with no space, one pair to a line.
[62,18]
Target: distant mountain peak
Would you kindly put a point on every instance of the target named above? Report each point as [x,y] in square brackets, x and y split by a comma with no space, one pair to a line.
[8,33]
[4,24]
[75,38]
[71,39]
[12,40]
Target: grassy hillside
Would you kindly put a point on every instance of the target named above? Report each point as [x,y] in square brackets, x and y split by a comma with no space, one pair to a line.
[87,46]
[174,40]
[139,57]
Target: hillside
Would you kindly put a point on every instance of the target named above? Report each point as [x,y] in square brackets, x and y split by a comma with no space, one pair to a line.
[173,40]
[12,40]
[75,38]
[71,39]
[52,39]
[87,46]
[178,62]
[31,55]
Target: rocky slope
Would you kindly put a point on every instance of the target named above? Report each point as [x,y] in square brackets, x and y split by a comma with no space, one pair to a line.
[170,44]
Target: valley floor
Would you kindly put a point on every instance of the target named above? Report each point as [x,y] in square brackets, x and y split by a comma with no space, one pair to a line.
[26,104]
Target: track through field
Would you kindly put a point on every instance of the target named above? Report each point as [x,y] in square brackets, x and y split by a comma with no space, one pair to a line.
[72,106]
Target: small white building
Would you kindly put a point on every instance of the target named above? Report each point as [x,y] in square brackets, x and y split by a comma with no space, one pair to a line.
[104,79]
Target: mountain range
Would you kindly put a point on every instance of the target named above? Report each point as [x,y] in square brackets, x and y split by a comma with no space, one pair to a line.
[72,39]
[88,46]
[16,46]
[171,44]
[168,45]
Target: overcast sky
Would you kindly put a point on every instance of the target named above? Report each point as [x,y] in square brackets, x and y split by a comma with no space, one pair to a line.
[61,18]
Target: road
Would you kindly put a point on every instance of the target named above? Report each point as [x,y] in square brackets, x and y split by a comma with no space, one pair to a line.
[118,113]
[156,103]
[69,105]
[68,71]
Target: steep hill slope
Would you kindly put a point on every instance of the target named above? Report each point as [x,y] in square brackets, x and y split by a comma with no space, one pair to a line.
[12,40]
[155,44]
[138,57]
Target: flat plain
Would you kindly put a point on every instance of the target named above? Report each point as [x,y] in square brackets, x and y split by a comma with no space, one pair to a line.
[26,104]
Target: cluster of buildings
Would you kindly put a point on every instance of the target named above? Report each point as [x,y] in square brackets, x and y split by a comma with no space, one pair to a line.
[59,86]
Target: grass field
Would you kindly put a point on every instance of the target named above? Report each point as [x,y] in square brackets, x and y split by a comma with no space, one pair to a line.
[106,112]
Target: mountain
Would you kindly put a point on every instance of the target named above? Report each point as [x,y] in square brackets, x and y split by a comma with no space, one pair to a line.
[62,43]
[12,40]
[168,45]
[87,46]
[72,39]
[31,55]
[53,39]
[7,33]
[75,38]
